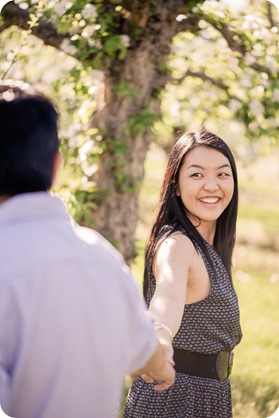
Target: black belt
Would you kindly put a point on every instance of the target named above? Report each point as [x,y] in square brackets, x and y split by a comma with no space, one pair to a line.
[213,366]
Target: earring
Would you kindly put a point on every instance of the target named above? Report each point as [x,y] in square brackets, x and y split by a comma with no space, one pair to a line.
[176,191]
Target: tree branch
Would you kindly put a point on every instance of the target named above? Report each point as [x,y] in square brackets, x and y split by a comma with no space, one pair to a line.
[229,37]
[270,15]
[190,24]
[201,75]
[14,15]
[5,26]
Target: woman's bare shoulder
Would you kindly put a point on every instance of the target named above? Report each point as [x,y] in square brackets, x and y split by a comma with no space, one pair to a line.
[176,242]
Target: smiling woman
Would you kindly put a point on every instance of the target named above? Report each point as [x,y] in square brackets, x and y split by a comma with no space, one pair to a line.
[187,283]
[205,188]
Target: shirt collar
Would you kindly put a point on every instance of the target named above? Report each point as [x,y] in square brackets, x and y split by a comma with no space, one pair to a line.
[28,206]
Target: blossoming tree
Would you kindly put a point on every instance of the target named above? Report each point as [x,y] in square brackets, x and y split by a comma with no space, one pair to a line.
[141,54]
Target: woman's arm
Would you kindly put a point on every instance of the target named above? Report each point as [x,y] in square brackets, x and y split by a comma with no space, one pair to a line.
[171,269]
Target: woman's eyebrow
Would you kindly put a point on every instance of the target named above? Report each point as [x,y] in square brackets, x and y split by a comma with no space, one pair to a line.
[195,166]
[224,166]
[202,168]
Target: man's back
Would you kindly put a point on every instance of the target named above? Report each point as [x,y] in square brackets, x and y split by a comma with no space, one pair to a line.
[71,325]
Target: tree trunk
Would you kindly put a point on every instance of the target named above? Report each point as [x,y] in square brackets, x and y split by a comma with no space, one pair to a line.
[116,216]
[120,175]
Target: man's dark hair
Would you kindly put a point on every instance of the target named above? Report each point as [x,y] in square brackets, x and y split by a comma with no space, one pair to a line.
[28,140]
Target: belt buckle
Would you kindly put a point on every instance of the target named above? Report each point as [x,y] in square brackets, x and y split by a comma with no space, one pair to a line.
[224,363]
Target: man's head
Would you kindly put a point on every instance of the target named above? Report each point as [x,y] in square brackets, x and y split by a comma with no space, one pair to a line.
[28,140]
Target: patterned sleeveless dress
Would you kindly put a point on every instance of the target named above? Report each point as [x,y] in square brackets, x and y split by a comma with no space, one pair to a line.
[208,326]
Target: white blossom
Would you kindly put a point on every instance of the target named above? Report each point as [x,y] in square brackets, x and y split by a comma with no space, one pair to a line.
[271,63]
[256,107]
[85,149]
[235,105]
[82,23]
[202,24]
[97,75]
[92,90]
[67,47]
[125,40]
[62,6]
[245,81]
[257,91]
[253,126]
[249,59]
[89,170]
[212,4]
[273,122]
[275,95]
[23,5]
[88,31]
[220,14]
[175,109]
[258,48]
[180,17]
[262,33]
[241,94]
[89,11]
[236,5]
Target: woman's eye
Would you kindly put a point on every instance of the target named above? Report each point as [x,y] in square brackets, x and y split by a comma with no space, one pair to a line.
[224,175]
[196,175]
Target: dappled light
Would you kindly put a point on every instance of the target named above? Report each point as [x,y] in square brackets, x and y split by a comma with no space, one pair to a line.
[128,80]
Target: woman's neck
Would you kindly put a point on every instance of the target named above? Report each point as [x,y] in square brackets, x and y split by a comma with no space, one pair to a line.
[206,230]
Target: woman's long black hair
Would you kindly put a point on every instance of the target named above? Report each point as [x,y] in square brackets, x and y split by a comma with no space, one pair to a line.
[171,210]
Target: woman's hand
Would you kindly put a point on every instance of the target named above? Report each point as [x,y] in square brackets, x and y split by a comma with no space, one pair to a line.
[159,369]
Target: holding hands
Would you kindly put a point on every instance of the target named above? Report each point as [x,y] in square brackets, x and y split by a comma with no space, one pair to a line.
[160,367]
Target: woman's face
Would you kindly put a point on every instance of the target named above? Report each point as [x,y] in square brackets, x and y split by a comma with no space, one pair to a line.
[205,183]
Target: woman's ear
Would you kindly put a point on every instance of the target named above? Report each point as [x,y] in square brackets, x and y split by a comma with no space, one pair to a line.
[57,162]
[177,191]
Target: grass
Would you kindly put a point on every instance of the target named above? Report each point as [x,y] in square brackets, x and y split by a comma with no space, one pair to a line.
[255,383]
[255,376]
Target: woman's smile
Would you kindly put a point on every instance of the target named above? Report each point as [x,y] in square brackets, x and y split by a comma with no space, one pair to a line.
[210,200]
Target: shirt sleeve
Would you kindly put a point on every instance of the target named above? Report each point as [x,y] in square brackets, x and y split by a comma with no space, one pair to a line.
[8,337]
[139,339]
[142,340]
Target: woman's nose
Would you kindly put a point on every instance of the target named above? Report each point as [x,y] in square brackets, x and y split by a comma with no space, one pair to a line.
[211,185]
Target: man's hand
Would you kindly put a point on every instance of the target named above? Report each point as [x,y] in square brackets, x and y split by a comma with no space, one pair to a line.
[158,369]
[168,380]
[164,378]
